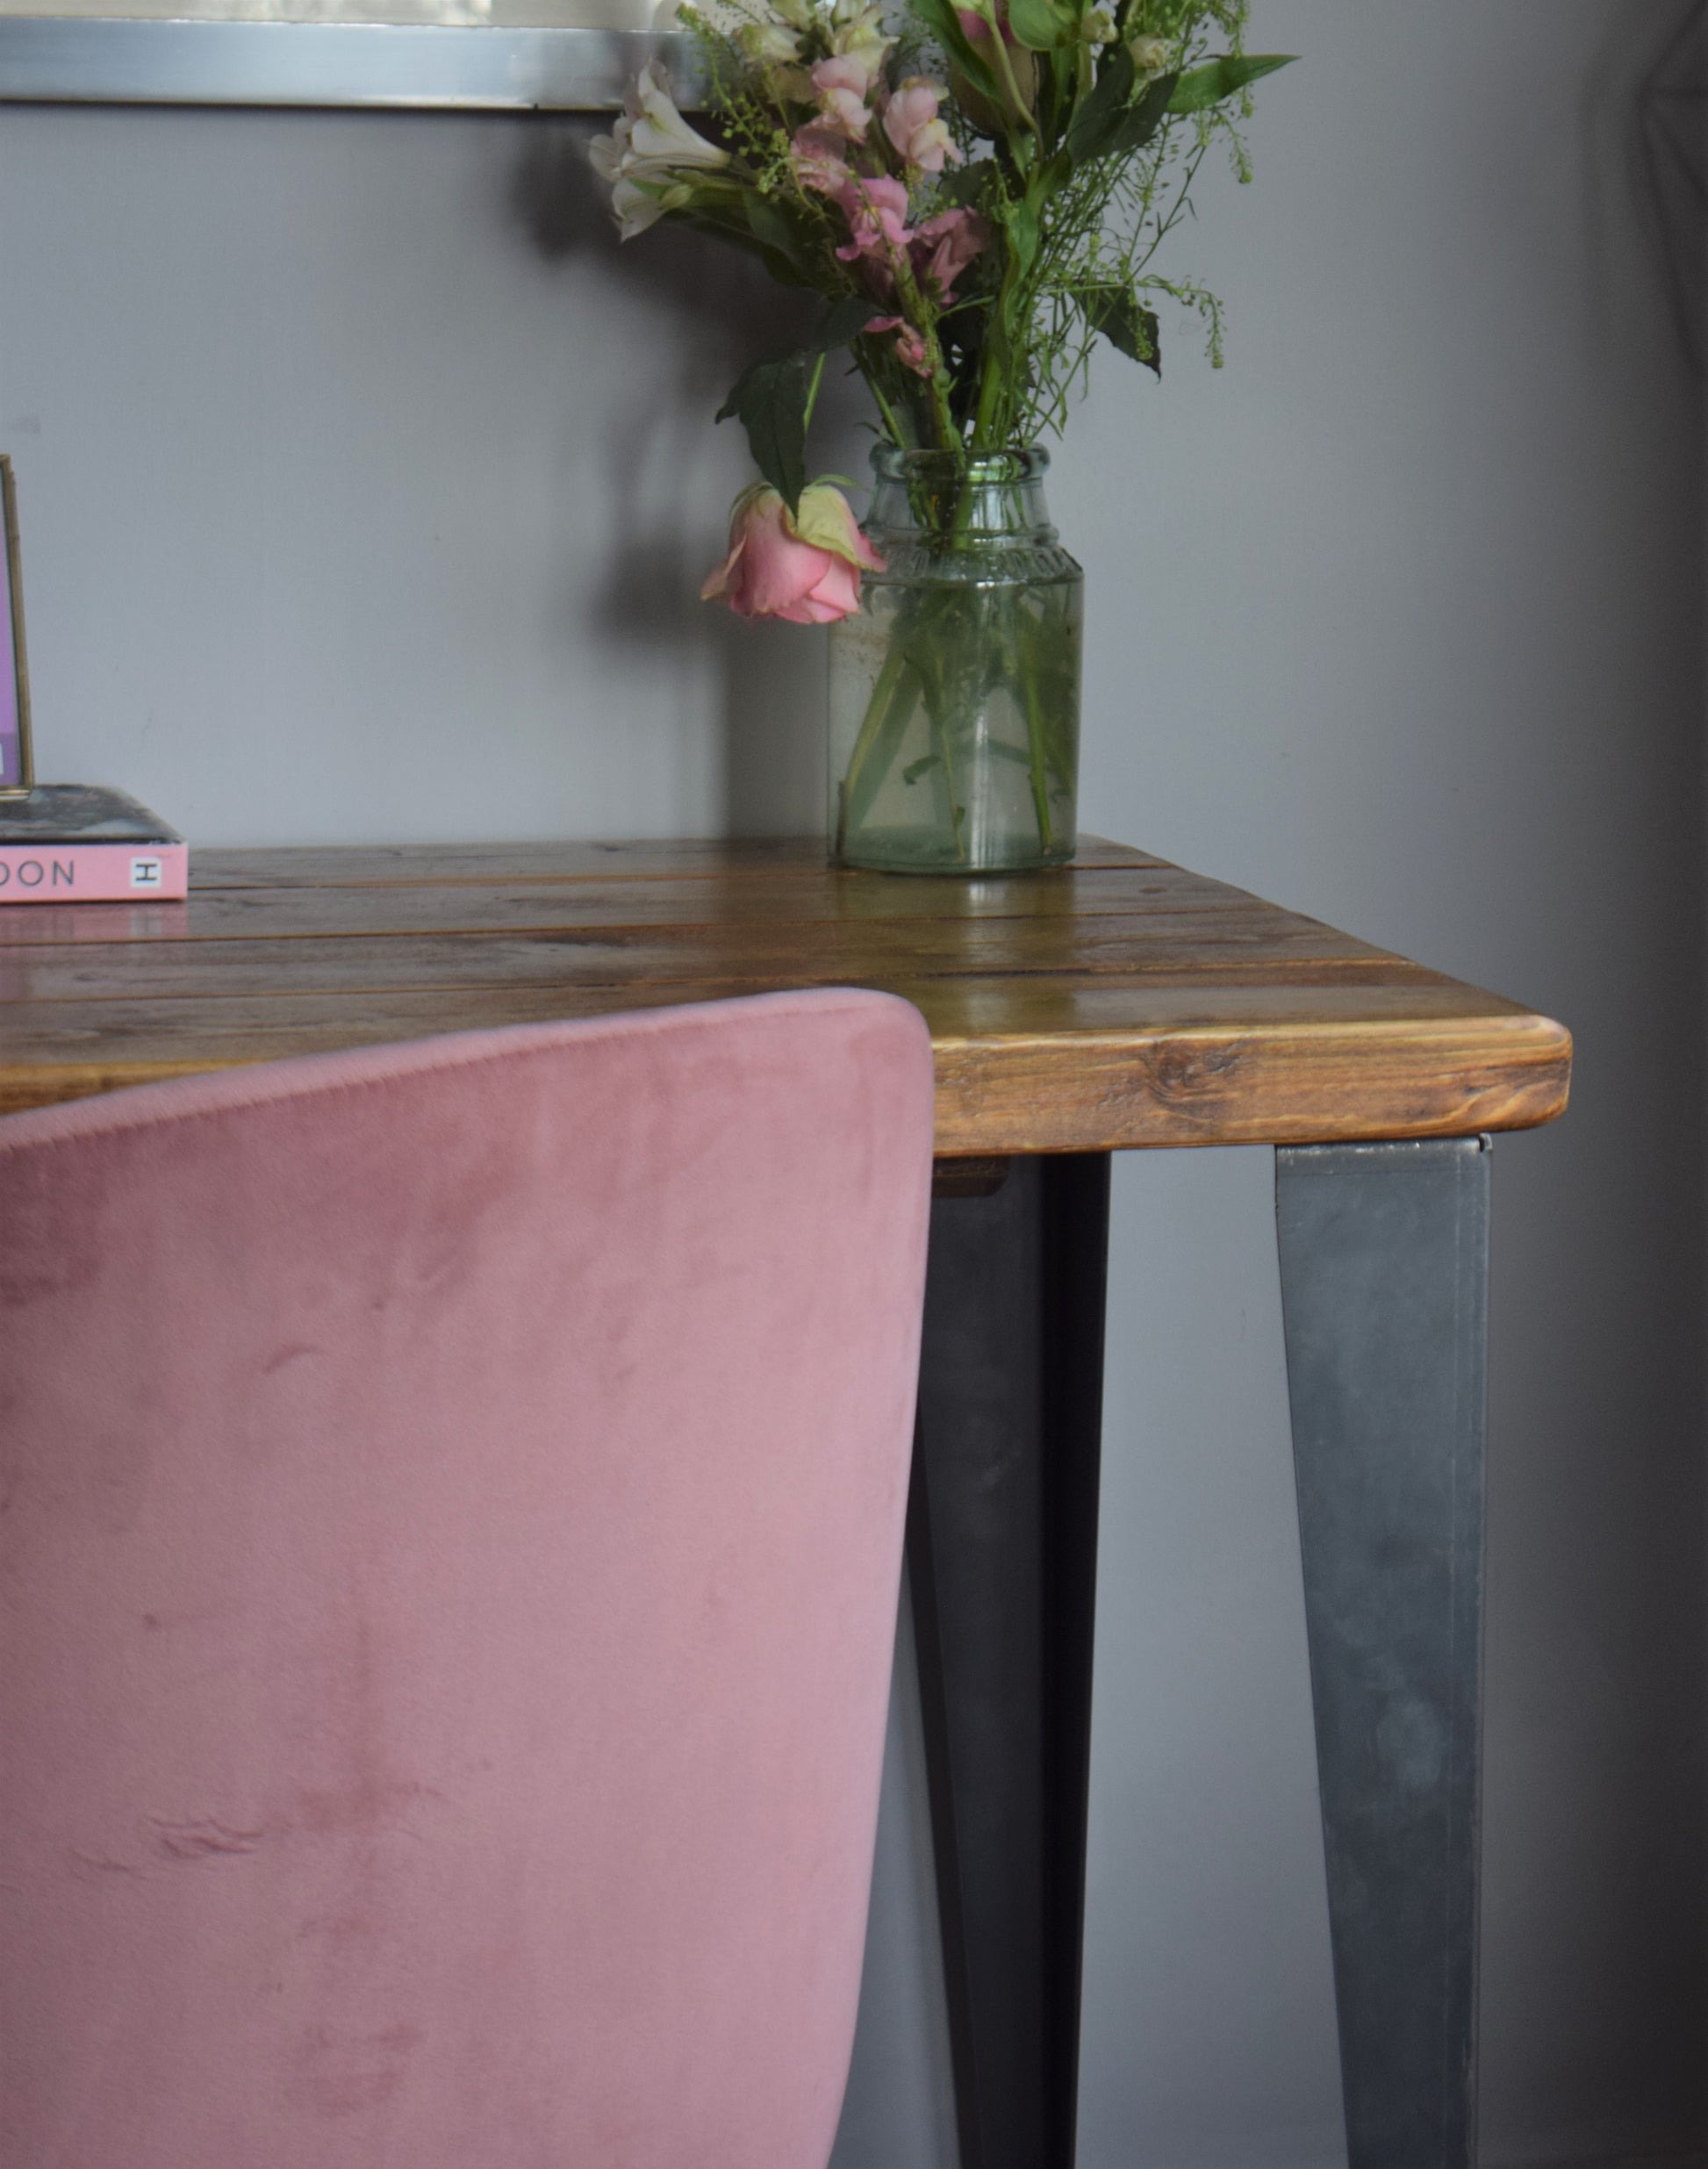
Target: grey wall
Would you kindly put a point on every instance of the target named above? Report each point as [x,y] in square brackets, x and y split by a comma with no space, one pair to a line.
[366,486]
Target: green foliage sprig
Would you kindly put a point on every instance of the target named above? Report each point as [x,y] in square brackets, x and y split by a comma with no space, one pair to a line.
[979,194]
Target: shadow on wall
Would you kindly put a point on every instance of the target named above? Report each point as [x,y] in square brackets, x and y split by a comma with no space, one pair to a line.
[718,311]
[1673,111]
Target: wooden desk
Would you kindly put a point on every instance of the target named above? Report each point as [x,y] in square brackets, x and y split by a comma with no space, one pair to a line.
[1120,1003]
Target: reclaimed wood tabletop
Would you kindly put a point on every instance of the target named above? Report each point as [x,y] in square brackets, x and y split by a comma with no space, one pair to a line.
[1119,1001]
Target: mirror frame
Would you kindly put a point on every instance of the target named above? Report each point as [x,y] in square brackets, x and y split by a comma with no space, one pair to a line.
[149,61]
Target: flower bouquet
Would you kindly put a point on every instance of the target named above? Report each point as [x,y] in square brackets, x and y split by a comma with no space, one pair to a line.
[976,194]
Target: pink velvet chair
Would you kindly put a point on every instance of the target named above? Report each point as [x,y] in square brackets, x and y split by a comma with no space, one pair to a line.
[450,1520]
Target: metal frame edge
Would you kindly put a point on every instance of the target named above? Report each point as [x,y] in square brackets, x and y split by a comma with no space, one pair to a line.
[103,60]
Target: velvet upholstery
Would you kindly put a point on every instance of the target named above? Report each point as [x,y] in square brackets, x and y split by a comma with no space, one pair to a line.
[450,1515]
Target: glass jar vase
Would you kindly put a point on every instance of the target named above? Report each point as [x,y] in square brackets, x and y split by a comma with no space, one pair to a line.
[955,690]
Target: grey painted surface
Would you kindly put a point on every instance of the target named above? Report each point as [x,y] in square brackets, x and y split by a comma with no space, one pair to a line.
[1384,1274]
[366,487]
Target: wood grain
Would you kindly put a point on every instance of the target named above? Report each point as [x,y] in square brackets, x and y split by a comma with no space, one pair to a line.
[1121,1001]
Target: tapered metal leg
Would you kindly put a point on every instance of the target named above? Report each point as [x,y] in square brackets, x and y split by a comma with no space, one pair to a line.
[1384,1289]
[1002,1541]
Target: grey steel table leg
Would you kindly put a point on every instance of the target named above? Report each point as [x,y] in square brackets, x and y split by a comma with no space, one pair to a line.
[1384,1288]
[1002,1554]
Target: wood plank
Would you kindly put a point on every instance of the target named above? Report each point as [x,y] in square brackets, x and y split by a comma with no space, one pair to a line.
[1300,953]
[665,858]
[814,898]
[985,1011]
[1113,1004]
[1068,1071]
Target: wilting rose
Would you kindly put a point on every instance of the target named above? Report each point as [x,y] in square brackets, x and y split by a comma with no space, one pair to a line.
[911,123]
[806,569]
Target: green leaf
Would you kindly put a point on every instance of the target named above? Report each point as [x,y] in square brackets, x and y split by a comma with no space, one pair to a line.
[1220,78]
[1019,221]
[770,401]
[1115,123]
[1115,312]
[774,231]
[964,184]
[924,766]
[1039,24]
[1103,105]
[844,320]
[1142,118]
[738,234]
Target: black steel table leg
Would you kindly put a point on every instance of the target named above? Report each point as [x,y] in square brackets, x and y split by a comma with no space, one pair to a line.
[1002,1547]
[1384,1288]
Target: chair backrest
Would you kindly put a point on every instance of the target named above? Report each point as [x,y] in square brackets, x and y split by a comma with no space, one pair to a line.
[450,1512]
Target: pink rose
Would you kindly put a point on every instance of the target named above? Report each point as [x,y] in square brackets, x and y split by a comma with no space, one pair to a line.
[806,569]
[877,212]
[1022,65]
[910,347]
[842,84]
[942,247]
[816,156]
[974,25]
[911,123]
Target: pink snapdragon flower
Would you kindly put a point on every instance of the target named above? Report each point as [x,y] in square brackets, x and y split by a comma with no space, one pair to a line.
[876,209]
[911,123]
[909,346]
[804,568]
[942,247]
[939,249]
[843,86]
[816,156]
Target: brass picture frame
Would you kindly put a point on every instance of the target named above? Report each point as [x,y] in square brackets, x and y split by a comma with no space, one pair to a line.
[18,772]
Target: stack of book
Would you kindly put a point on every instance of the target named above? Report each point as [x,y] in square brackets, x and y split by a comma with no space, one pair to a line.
[64,843]
[68,843]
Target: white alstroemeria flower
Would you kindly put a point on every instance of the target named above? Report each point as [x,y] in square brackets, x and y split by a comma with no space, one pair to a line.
[645,154]
[606,153]
[659,136]
[641,203]
[636,209]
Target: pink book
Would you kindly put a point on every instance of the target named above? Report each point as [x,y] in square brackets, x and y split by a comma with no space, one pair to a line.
[66,843]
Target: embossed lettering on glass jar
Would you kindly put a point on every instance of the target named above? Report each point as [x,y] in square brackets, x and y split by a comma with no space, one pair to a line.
[955,691]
